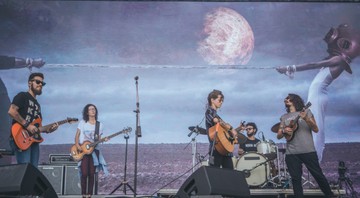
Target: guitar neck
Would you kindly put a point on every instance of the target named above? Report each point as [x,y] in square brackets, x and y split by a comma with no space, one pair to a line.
[45,128]
[108,137]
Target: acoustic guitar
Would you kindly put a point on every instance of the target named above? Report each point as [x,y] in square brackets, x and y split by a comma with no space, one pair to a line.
[294,125]
[224,142]
[24,139]
[88,147]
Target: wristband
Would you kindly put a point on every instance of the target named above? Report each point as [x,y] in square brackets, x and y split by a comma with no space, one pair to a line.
[26,125]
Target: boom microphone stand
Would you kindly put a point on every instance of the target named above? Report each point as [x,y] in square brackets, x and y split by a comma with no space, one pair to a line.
[137,132]
[124,182]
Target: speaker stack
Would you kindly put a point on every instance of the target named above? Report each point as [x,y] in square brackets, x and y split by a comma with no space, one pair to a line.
[63,174]
[215,181]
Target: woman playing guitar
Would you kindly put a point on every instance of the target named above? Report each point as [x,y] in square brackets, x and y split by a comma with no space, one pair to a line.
[215,100]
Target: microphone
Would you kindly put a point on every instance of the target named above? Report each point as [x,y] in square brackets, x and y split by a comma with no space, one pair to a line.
[192,131]
[262,133]
[136,77]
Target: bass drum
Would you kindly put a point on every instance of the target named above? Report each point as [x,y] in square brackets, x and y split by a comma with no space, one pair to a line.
[256,176]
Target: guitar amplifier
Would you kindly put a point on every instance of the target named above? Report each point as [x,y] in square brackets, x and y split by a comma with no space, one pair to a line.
[61,159]
[55,175]
[72,185]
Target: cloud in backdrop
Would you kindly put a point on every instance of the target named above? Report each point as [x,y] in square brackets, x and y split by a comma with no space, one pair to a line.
[120,33]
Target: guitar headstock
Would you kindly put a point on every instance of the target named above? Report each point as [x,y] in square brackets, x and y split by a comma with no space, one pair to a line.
[72,120]
[127,130]
[307,105]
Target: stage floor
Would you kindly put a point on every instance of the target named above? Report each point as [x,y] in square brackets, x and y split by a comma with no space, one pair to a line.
[170,193]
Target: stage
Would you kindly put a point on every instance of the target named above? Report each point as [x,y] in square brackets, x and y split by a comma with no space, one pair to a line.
[169,193]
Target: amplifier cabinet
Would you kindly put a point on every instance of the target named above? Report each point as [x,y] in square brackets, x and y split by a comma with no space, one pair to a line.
[72,184]
[55,175]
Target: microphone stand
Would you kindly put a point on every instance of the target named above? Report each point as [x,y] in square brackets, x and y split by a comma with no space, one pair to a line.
[137,132]
[124,182]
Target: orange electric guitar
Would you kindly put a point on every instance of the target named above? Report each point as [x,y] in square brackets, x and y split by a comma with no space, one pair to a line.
[23,138]
[294,125]
[88,147]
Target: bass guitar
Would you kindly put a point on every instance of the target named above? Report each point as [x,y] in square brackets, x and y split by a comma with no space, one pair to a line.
[294,125]
[88,147]
[23,138]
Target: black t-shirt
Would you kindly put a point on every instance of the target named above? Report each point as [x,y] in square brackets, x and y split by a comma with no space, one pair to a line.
[29,108]
[250,145]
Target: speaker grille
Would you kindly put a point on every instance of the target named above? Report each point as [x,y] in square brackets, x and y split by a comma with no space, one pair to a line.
[55,176]
[72,184]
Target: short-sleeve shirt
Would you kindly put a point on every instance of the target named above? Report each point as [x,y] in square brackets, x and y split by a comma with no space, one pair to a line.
[87,131]
[29,108]
[302,141]
[250,145]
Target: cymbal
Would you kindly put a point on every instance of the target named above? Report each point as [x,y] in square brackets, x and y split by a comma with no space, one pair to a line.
[197,129]
[275,128]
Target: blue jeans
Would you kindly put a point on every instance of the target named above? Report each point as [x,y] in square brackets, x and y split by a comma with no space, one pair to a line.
[31,155]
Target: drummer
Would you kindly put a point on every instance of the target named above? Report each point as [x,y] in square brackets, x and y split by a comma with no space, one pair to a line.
[250,144]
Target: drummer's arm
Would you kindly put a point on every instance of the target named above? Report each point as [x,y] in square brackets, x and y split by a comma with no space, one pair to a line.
[241,151]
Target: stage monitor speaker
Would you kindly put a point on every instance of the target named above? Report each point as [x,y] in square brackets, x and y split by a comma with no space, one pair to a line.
[23,180]
[55,175]
[215,181]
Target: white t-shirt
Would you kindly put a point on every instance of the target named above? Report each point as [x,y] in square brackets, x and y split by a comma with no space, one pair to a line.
[87,131]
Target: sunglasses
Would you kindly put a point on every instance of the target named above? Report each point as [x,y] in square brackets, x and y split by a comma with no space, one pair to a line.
[40,82]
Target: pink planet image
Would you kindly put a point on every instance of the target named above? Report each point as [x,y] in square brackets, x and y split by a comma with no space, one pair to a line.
[229,39]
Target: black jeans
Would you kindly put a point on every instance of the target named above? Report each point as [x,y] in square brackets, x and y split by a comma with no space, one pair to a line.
[294,163]
[221,160]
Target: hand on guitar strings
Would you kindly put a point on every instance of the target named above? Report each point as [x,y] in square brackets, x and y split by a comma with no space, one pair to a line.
[32,129]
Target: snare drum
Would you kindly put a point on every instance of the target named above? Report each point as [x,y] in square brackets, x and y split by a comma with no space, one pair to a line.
[257,166]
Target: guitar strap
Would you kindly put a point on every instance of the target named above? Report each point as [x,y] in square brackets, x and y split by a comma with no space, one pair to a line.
[97,127]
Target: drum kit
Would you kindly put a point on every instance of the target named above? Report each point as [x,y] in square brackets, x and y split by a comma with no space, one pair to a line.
[265,168]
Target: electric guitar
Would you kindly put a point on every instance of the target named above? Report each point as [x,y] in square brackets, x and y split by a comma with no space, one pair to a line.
[88,147]
[294,125]
[23,138]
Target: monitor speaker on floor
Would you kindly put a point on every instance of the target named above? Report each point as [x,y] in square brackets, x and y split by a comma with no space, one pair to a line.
[215,181]
[24,180]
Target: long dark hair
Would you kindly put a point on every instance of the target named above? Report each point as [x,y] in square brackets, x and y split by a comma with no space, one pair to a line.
[85,112]
[297,101]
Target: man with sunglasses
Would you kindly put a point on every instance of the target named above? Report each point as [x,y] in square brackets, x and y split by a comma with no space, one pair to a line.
[300,149]
[6,63]
[25,109]
[250,144]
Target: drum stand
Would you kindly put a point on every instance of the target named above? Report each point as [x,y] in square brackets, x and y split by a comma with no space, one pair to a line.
[273,179]
[283,177]
[307,181]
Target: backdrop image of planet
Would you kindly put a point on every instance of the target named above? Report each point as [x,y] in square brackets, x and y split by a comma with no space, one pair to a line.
[180,52]
[229,39]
